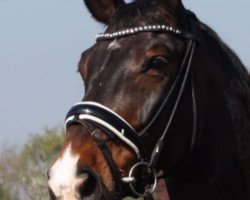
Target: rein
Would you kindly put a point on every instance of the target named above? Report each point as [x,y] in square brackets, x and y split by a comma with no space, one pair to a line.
[114,126]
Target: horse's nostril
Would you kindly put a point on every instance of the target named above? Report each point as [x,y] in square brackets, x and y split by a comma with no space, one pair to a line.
[87,184]
[81,181]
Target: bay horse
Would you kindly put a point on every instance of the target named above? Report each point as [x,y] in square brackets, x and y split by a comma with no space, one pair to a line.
[163,93]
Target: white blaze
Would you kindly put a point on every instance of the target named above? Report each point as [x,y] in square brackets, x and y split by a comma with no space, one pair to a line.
[63,173]
[114,45]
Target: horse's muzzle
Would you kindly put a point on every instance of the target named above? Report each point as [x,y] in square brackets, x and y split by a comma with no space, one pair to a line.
[88,186]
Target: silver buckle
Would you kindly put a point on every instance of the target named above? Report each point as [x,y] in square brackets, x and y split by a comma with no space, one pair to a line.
[130,179]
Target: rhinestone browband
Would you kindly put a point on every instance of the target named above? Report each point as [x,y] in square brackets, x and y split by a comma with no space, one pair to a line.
[139,29]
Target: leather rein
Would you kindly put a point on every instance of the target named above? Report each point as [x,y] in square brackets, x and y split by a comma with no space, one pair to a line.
[114,126]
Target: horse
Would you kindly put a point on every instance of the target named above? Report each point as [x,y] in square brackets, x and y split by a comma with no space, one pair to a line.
[163,94]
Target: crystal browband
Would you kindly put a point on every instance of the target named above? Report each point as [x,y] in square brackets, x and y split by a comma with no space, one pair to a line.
[139,29]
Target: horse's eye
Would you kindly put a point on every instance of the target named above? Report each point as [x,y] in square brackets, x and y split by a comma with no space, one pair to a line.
[156,63]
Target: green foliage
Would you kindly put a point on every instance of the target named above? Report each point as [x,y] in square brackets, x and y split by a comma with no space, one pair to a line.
[23,173]
[4,193]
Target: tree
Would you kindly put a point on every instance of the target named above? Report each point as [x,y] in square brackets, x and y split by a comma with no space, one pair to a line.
[4,193]
[23,173]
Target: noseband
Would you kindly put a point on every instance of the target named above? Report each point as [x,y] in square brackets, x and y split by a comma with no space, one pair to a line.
[114,126]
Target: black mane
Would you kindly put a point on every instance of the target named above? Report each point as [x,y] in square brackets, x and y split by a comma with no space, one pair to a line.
[232,69]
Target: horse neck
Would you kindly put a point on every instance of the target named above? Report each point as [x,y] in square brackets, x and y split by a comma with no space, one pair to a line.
[223,80]
[215,153]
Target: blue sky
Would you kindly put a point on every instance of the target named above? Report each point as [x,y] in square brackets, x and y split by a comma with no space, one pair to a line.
[40,45]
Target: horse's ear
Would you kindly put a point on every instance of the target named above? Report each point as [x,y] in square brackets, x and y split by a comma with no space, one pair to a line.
[103,10]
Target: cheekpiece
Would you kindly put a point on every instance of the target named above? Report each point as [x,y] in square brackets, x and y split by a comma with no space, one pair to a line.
[139,29]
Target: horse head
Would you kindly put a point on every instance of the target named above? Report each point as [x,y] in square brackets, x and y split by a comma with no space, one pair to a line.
[115,136]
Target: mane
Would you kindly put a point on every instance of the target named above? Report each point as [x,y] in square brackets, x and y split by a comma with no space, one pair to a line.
[236,78]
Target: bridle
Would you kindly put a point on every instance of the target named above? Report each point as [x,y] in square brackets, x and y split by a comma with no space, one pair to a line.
[114,126]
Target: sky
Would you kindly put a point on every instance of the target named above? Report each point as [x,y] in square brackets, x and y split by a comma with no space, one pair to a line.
[40,46]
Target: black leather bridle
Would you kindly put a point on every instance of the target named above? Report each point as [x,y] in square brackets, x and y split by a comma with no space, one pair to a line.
[114,126]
